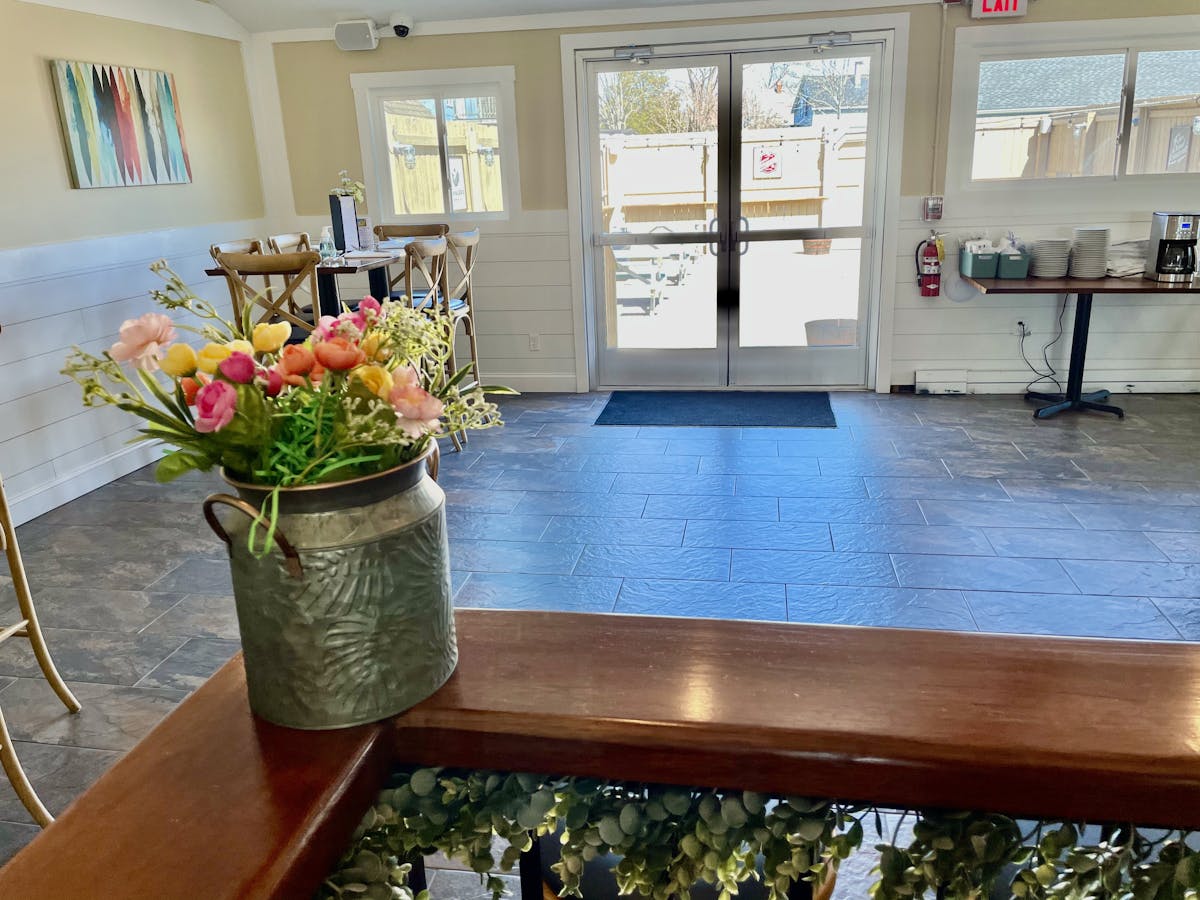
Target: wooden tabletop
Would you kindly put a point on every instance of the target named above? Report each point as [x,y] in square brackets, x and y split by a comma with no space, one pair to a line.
[1133,285]
[212,803]
[340,265]
[216,804]
[1025,725]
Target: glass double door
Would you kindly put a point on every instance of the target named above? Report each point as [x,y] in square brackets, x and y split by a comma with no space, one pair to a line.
[730,216]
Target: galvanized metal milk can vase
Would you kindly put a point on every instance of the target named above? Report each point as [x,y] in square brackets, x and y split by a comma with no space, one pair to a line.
[349,619]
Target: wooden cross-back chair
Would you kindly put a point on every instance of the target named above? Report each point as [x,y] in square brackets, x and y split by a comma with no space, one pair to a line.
[296,269]
[458,292]
[397,284]
[425,271]
[241,245]
[295,242]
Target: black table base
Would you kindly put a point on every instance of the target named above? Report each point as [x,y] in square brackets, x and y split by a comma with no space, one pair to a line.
[327,287]
[1074,400]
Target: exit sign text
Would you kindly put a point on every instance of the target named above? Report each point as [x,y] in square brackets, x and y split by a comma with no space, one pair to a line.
[992,9]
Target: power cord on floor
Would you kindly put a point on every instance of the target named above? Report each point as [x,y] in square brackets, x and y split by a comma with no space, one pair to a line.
[1051,374]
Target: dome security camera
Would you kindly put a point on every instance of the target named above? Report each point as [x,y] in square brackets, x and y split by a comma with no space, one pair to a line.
[401,24]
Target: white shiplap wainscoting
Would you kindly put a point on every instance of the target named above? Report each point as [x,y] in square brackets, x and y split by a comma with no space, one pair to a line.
[522,291]
[1138,343]
[53,296]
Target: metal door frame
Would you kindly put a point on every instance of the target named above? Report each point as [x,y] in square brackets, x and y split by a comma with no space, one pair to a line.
[865,231]
[888,31]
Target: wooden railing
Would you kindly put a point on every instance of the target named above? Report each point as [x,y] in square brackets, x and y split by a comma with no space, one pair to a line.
[214,803]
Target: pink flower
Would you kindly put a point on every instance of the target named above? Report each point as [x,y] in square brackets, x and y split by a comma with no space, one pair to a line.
[144,340]
[417,411]
[371,309]
[326,328]
[347,325]
[216,404]
[238,367]
[271,381]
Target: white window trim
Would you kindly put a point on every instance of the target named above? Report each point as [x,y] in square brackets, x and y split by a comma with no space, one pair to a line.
[500,80]
[1096,193]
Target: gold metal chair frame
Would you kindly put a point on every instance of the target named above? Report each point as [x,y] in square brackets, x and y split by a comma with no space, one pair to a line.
[27,627]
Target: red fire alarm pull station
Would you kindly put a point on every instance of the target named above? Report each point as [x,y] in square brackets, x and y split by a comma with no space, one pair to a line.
[996,9]
[931,208]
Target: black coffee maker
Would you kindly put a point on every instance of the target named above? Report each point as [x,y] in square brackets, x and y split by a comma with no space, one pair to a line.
[1171,253]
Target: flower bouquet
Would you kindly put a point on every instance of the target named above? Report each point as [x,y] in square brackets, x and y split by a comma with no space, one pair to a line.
[344,600]
[367,391]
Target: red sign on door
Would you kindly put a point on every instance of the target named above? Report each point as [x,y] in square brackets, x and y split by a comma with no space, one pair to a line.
[767,163]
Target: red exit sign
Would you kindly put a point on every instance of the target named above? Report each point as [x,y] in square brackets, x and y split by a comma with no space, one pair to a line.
[994,9]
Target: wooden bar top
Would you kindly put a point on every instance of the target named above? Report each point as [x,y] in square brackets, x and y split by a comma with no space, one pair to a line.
[212,803]
[216,804]
[1132,285]
[1024,725]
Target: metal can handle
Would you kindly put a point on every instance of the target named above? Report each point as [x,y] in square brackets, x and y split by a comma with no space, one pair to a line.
[434,462]
[291,557]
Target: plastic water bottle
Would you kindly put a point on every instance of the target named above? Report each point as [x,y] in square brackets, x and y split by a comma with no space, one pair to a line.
[327,248]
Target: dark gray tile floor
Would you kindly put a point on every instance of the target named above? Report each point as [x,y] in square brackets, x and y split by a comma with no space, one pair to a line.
[956,513]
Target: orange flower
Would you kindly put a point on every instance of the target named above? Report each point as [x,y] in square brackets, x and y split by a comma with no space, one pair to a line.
[191,387]
[295,363]
[339,354]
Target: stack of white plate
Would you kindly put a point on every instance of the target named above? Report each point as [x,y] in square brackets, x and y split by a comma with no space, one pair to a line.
[1089,255]
[1050,259]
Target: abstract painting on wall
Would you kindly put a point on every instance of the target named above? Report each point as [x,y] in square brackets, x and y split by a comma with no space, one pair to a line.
[121,124]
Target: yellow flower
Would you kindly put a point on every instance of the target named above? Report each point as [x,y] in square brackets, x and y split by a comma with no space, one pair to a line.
[241,347]
[210,356]
[268,338]
[179,361]
[377,379]
[372,345]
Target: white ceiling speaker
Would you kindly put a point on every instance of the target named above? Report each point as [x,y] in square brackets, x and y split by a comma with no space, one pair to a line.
[356,34]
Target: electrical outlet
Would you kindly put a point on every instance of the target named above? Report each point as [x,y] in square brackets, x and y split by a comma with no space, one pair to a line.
[1021,328]
[535,342]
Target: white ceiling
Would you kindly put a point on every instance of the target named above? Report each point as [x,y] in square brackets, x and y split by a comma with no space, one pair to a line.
[278,15]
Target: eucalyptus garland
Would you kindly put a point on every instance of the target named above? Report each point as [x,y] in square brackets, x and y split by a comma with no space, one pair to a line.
[668,839]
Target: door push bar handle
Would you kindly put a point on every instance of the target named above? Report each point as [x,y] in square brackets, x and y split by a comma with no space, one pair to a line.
[717,246]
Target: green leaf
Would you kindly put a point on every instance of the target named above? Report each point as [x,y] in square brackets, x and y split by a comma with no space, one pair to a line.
[423,782]
[610,831]
[677,802]
[177,463]
[630,819]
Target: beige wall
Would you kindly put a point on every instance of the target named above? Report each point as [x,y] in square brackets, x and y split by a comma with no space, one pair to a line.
[38,204]
[322,133]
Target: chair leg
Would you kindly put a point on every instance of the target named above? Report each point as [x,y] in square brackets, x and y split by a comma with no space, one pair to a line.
[25,602]
[469,324]
[18,778]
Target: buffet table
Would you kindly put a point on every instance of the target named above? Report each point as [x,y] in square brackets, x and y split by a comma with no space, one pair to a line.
[214,803]
[1084,288]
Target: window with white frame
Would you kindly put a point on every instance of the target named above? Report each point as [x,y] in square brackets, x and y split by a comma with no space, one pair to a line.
[1051,104]
[1067,116]
[439,143]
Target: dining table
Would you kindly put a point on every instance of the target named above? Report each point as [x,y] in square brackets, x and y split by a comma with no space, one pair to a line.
[376,265]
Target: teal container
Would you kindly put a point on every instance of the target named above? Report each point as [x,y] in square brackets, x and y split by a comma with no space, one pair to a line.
[1012,265]
[977,265]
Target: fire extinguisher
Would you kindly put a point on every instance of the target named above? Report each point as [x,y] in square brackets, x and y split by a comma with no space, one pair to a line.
[929,265]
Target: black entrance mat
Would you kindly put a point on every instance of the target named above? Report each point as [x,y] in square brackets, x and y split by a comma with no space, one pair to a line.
[735,409]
